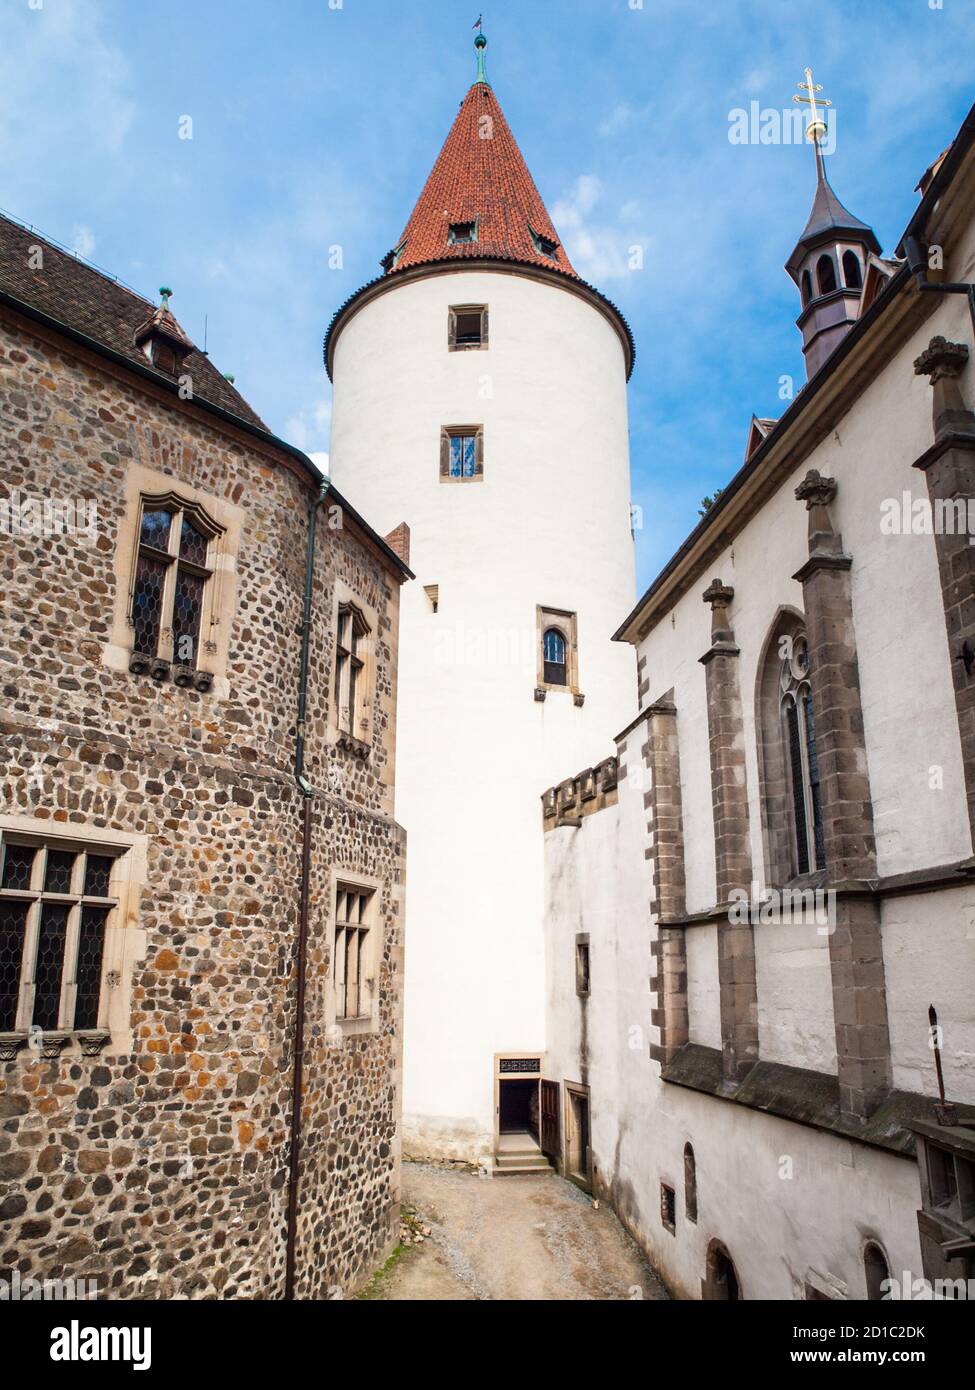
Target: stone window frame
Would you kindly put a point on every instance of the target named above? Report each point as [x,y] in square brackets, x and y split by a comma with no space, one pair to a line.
[123,943]
[342,881]
[668,1207]
[172,557]
[779,828]
[467,431]
[453,313]
[220,596]
[358,737]
[565,622]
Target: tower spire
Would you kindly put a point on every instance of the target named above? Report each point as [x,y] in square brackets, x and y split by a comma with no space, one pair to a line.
[480,44]
[829,259]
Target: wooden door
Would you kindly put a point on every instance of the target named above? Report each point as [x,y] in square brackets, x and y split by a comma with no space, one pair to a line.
[548,1107]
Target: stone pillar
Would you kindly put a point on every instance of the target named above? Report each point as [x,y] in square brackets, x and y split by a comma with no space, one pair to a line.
[666,853]
[732,843]
[949,468]
[855,944]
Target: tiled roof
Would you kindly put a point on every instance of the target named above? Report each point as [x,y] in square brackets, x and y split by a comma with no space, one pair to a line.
[87,301]
[481,177]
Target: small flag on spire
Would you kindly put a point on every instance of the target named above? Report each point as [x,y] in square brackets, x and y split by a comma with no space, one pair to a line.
[480,21]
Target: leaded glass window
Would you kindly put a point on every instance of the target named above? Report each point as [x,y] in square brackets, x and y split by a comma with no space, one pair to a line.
[172,569]
[463,455]
[55,906]
[553,650]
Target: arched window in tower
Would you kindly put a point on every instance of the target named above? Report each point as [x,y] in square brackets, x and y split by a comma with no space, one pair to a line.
[806,287]
[690,1183]
[826,274]
[851,270]
[877,1271]
[803,767]
[553,652]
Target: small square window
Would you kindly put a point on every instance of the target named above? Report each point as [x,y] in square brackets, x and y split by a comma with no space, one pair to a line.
[668,1208]
[461,233]
[467,327]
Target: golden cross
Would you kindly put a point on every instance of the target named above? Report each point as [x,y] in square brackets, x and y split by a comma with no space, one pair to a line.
[816,128]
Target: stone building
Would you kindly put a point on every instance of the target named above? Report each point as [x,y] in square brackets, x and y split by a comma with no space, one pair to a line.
[198,665]
[785,835]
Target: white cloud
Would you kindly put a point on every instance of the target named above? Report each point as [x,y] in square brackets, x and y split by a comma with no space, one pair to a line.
[83,241]
[310,427]
[600,250]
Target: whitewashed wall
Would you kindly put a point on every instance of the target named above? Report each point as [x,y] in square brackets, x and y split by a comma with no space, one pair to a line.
[548,525]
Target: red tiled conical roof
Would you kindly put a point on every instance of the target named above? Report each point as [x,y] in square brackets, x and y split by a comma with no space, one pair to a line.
[480,176]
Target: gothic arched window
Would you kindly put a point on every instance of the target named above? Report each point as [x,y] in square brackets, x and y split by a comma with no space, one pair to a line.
[553,653]
[851,270]
[806,287]
[876,1270]
[803,768]
[826,274]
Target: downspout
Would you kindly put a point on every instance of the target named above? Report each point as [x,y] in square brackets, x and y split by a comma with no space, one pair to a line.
[918,264]
[304,786]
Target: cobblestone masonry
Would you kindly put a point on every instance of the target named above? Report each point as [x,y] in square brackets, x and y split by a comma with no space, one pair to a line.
[159,1168]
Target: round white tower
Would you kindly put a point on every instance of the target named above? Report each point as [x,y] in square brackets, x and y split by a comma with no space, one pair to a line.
[480,396]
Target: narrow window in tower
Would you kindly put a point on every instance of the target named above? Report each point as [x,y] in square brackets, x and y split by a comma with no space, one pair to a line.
[461,233]
[668,1207]
[851,270]
[558,646]
[806,284]
[544,245]
[467,327]
[582,966]
[461,453]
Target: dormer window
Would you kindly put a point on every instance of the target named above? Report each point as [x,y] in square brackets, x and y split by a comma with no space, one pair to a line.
[544,245]
[392,258]
[462,233]
[161,338]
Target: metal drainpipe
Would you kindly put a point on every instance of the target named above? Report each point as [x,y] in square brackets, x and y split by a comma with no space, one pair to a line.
[304,786]
[918,263]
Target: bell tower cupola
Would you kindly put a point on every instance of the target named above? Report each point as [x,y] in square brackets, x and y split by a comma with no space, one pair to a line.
[830,257]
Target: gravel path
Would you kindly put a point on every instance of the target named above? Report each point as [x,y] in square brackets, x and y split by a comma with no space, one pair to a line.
[534,1238]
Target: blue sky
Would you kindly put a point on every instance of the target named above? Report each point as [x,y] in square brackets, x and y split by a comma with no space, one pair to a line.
[316,122]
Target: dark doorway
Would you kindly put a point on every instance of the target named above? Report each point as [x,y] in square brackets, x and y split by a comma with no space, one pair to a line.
[720,1283]
[518,1107]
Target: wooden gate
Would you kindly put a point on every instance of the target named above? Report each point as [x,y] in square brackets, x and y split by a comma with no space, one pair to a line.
[548,1107]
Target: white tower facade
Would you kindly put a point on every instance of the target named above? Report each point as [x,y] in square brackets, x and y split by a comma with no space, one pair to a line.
[480,395]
